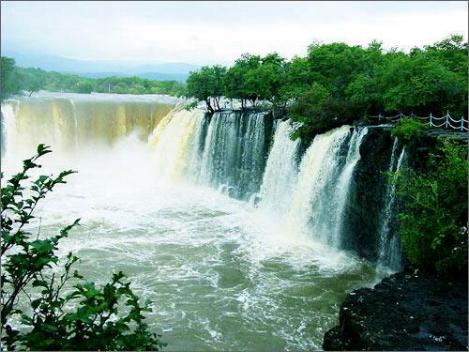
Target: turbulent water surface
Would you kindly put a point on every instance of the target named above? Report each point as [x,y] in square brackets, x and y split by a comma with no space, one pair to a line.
[225,268]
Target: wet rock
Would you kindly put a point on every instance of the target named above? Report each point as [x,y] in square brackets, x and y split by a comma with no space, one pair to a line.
[367,190]
[407,311]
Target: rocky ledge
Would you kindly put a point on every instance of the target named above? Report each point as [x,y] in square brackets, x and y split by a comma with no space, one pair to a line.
[406,311]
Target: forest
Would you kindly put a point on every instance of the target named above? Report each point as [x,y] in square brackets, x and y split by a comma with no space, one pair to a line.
[338,83]
[16,79]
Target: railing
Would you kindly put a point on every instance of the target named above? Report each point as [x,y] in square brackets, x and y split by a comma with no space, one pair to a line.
[445,121]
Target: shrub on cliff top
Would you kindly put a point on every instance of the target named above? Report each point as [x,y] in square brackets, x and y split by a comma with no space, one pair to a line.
[408,128]
[433,222]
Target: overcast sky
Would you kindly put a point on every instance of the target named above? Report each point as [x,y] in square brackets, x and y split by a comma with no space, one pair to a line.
[218,32]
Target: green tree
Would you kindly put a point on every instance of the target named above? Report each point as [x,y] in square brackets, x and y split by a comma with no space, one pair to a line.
[451,52]
[298,77]
[421,85]
[218,74]
[200,86]
[268,80]
[207,84]
[234,84]
[330,86]
[238,83]
[9,78]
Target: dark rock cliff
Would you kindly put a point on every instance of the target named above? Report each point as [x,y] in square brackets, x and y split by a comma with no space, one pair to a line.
[406,311]
[366,197]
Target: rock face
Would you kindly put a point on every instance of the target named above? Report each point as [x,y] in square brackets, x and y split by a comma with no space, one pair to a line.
[368,188]
[405,311]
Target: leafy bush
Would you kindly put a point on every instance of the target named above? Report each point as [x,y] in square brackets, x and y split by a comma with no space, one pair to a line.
[86,318]
[433,222]
[408,128]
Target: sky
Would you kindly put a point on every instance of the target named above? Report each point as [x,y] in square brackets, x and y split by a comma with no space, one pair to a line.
[218,32]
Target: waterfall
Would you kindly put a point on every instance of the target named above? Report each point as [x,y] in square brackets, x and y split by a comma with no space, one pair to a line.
[389,252]
[312,200]
[393,154]
[230,155]
[232,151]
[281,171]
[8,125]
[343,186]
[254,154]
[75,118]
[67,122]
[235,150]
[323,184]
[175,144]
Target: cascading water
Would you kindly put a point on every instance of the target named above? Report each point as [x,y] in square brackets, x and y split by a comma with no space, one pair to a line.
[235,152]
[68,121]
[215,268]
[75,119]
[309,201]
[8,123]
[321,192]
[393,154]
[389,252]
[309,212]
[281,171]
[342,188]
[176,145]
[228,154]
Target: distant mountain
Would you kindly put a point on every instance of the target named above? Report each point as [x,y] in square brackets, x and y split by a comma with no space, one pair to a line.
[156,76]
[104,68]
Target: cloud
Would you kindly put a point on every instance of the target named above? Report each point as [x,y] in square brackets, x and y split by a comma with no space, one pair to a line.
[218,32]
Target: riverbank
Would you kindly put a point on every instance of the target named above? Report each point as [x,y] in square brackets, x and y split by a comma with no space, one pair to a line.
[406,311]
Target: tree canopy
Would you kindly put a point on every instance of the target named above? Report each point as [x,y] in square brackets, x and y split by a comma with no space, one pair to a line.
[338,83]
[9,79]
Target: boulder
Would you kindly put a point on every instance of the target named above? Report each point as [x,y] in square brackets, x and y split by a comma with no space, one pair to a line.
[406,311]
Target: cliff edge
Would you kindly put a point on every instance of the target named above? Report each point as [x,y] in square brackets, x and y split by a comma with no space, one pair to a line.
[406,311]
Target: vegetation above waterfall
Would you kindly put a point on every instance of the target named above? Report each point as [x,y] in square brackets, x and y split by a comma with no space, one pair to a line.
[57,308]
[337,83]
[17,79]
[408,129]
[433,219]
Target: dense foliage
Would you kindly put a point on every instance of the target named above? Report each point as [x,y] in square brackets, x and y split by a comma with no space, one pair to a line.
[9,83]
[433,221]
[337,83]
[34,79]
[64,311]
[207,83]
[408,129]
